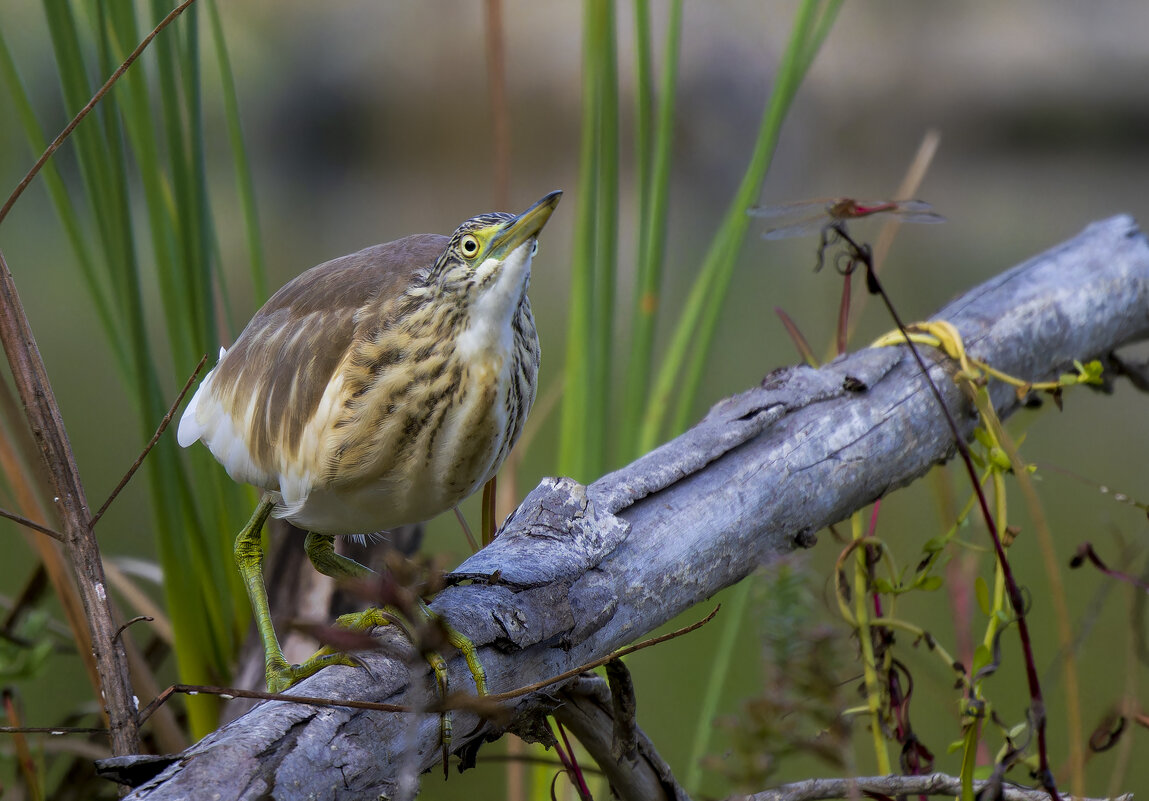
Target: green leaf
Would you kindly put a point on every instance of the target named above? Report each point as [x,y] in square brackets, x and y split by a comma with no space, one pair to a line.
[982,656]
[884,585]
[654,157]
[24,659]
[1092,372]
[930,583]
[999,458]
[981,592]
[935,544]
[141,167]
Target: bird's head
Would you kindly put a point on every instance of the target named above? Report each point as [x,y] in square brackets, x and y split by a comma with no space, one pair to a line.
[488,258]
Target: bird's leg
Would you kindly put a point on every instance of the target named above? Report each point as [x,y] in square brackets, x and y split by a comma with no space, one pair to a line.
[321,551]
[249,558]
[467,648]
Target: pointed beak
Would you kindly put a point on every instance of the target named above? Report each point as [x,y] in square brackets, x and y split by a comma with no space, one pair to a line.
[524,227]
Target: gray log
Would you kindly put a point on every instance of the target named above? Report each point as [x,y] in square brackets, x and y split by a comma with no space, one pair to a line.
[584,570]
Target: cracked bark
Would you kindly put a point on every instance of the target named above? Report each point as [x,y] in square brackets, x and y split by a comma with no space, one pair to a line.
[583,570]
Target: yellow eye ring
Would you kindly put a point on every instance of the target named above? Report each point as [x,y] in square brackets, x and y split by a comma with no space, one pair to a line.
[469,246]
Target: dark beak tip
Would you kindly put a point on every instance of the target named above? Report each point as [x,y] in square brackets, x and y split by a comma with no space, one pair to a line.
[551,198]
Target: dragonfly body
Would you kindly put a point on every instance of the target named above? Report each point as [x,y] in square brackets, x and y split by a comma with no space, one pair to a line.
[810,216]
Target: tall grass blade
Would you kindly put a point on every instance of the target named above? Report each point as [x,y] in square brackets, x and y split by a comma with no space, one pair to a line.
[606,252]
[644,109]
[148,136]
[735,610]
[58,194]
[680,373]
[245,187]
[654,205]
[583,421]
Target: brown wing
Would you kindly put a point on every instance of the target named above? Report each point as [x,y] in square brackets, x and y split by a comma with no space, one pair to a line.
[289,351]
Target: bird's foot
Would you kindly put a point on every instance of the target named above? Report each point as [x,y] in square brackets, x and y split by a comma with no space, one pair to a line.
[441,630]
[282,675]
[460,643]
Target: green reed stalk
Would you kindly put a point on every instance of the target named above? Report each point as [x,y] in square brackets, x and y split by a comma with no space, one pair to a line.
[146,138]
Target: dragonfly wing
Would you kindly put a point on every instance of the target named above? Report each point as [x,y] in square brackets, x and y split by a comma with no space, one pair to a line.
[799,209]
[917,211]
[804,227]
[920,217]
[809,216]
[910,206]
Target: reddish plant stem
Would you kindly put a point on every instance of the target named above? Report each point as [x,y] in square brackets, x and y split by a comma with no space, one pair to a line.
[861,254]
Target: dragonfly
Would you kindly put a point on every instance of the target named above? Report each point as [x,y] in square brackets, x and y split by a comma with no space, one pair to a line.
[806,217]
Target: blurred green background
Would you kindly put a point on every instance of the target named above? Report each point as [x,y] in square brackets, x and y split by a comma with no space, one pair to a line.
[366,121]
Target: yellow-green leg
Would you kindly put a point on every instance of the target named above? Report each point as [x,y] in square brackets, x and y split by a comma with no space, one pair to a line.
[321,551]
[320,548]
[463,646]
[249,558]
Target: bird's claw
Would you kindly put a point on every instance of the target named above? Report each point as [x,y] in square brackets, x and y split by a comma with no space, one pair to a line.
[282,676]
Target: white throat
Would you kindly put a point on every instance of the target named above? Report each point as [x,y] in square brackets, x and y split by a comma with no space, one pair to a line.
[489,331]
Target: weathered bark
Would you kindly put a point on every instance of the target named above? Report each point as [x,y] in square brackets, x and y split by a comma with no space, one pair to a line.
[582,571]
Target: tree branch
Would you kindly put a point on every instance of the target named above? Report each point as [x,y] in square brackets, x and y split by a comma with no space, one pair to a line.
[891,786]
[585,709]
[47,427]
[579,571]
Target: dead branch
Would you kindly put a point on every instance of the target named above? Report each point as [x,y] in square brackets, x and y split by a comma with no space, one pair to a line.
[47,426]
[579,571]
[896,786]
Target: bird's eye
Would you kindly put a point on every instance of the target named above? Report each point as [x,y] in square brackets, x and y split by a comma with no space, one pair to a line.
[469,245]
[535,247]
